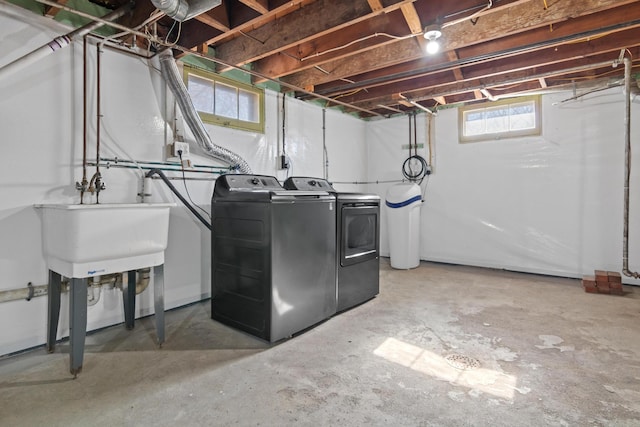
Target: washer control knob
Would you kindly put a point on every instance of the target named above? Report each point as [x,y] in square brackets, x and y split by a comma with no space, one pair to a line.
[255,181]
[313,183]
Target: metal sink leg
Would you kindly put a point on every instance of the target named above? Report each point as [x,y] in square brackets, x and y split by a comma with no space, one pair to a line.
[53,315]
[158,298]
[129,300]
[77,323]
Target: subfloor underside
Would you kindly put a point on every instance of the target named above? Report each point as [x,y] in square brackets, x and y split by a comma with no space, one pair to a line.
[441,345]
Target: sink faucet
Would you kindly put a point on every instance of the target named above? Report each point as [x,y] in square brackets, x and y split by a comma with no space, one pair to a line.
[96,185]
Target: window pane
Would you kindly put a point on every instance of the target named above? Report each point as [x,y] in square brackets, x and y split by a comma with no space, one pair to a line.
[249,108]
[522,116]
[473,123]
[201,92]
[226,101]
[497,119]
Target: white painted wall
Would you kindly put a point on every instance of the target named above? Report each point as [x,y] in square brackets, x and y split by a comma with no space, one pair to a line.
[41,122]
[550,204]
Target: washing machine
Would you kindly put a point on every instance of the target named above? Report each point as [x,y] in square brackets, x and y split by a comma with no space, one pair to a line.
[273,256]
[357,241]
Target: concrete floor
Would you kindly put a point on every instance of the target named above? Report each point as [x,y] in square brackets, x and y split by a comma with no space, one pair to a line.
[547,352]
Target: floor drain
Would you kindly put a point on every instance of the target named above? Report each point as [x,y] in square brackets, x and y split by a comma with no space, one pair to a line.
[461,362]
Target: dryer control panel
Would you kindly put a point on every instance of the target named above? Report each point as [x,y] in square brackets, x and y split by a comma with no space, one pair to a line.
[307,184]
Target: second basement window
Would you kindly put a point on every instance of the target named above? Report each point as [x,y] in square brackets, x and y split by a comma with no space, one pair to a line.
[225,102]
[506,118]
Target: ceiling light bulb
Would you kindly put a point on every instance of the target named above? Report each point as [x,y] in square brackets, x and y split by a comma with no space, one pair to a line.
[433,47]
[433,33]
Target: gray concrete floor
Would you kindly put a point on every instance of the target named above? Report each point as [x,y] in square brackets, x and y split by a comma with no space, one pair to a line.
[547,352]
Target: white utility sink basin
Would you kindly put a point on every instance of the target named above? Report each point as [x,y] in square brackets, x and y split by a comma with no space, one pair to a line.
[88,240]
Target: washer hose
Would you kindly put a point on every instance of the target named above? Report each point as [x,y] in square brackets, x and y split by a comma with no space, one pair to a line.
[415,175]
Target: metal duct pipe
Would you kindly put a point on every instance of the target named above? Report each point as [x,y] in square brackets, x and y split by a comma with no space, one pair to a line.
[627,168]
[59,43]
[172,76]
[182,10]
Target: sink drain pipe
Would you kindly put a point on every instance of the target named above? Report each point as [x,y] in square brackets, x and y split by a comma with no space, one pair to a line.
[627,168]
[113,280]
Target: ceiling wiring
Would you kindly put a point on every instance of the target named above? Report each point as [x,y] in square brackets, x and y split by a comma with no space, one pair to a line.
[470,17]
[351,43]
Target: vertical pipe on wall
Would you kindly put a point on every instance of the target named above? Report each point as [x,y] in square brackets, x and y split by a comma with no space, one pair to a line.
[325,154]
[84,184]
[98,182]
[627,168]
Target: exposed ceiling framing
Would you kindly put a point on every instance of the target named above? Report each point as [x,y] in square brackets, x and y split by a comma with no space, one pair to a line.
[371,53]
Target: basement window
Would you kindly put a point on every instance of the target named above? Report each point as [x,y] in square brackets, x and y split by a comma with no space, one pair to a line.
[225,102]
[507,118]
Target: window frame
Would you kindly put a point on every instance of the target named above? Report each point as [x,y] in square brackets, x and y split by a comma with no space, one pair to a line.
[228,122]
[496,136]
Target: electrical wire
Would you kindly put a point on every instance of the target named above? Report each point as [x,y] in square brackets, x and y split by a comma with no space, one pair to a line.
[361,39]
[470,17]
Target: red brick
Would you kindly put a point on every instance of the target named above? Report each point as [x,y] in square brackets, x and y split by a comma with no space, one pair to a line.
[589,281]
[615,285]
[614,277]
[601,276]
[591,290]
[616,291]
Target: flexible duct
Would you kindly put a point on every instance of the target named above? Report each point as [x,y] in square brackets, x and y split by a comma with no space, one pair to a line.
[173,79]
[181,10]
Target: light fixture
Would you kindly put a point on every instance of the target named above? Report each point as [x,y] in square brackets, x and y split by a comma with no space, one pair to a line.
[432,33]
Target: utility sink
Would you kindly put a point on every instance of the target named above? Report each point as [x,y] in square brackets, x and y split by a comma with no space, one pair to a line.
[81,241]
[87,240]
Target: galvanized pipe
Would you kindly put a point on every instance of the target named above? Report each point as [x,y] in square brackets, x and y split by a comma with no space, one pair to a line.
[61,41]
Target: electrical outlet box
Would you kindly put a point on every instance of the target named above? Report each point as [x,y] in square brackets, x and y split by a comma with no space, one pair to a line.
[283,161]
[180,149]
[176,150]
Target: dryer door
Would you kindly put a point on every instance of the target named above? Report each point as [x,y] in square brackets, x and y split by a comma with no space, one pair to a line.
[360,233]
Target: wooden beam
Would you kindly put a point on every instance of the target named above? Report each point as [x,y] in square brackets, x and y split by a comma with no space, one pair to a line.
[440,100]
[375,5]
[51,11]
[432,88]
[420,67]
[457,72]
[415,26]
[261,6]
[303,56]
[505,21]
[494,72]
[246,25]
[543,83]
[217,17]
[298,27]
[411,16]
[477,94]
